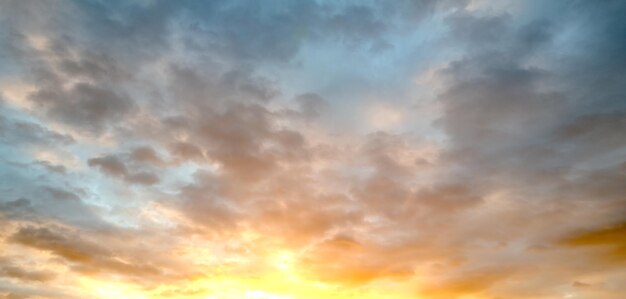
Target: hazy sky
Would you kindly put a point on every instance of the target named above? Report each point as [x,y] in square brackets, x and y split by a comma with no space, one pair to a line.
[312,149]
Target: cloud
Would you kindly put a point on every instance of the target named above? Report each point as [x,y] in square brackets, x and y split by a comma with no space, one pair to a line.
[186,151]
[156,148]
[611,238]
[471,282]
[146,154]
[81,254]
[28,275]
[114,166]
[356,264]
[110,165]
[84,105]
[311,105]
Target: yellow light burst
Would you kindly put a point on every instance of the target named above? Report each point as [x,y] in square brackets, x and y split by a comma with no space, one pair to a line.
[281,279]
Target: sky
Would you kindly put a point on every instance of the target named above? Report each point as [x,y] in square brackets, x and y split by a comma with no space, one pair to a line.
[306,149]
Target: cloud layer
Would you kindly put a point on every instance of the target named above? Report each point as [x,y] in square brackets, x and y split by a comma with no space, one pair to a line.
[312,149]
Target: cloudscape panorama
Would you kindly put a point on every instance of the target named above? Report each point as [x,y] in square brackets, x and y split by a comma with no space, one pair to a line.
[311,149]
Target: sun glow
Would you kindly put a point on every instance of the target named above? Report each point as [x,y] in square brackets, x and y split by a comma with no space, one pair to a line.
[282,279]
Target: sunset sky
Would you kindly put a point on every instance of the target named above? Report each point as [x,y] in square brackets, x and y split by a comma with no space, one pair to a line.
[310,149]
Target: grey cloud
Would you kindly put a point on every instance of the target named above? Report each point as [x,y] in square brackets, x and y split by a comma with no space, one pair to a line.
[501,114]
[62,195]
[95,66]
[67,204]
[311,105]
[299,215]
[63,204]
[593,134]
[420,9]
[198,91]
[186,151]
[448,198]
[501,108]
[381,149]
[110,165]
[207,202]
[116,167]
[482,32]
[270,32]
[146,154]
[8,269]
[53,168]
[84,255]
[16,208]
[72,249]
[544,132]
[255,88]
[239,138]
[251,32]
[20,132]
[84,105]
[357,23]
[143,178]
[216,88]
